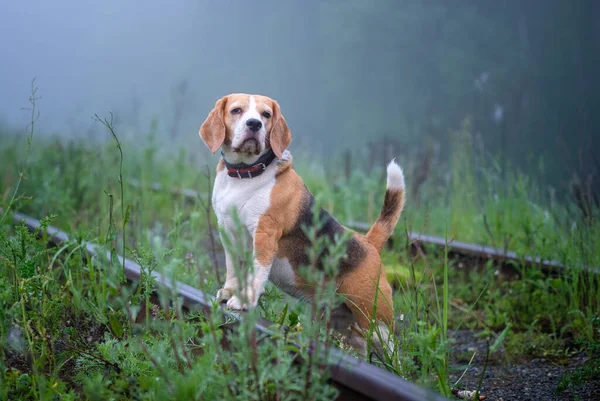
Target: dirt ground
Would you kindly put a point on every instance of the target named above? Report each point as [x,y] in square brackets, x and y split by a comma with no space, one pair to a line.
[504,380]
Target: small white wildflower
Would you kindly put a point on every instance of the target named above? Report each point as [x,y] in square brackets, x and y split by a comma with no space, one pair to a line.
[467,395]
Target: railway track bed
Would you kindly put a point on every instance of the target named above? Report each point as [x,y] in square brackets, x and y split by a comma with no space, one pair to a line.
[354,379]
[532,378]
[500,377]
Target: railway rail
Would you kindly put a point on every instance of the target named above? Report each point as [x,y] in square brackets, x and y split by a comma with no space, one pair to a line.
[355,379]
[417,240]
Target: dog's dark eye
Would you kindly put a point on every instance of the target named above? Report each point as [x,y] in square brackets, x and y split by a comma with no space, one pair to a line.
[237,110]
[266,114]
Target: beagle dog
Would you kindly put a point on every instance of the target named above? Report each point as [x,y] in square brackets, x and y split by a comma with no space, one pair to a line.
[256,176]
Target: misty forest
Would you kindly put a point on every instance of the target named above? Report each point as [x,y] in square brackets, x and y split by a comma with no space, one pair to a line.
[112,252]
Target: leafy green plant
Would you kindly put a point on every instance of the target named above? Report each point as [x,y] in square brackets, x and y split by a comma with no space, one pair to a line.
[70,328]
[591,368]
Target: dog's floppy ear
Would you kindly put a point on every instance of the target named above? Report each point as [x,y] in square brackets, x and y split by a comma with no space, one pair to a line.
[213,129]
[280,137]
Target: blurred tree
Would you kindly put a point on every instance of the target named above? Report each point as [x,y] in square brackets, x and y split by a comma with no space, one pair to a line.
[526,73]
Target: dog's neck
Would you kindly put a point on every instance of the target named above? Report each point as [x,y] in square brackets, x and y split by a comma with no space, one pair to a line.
[234,157]
[249,170]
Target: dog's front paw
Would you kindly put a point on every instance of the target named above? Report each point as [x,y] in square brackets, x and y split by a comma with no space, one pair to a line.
[224,294]
[252,296]
[236,304]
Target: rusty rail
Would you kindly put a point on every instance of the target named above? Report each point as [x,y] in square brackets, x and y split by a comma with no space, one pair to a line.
[455,248]
[158,187]
[478,251]
[355,379]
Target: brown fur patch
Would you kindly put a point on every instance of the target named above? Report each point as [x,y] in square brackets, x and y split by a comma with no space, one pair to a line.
[281,215]
[390,213]
[265,240]
[360,288]
[279,136]
[213,130]
[359,272]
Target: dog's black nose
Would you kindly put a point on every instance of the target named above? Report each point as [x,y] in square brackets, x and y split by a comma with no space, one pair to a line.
[254,124]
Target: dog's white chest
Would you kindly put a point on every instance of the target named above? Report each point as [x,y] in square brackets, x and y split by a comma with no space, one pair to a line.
[250,196]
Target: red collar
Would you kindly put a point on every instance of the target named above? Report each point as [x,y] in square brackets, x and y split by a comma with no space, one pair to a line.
[243,170]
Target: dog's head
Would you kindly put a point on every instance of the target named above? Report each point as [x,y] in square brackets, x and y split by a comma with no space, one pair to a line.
[246,125]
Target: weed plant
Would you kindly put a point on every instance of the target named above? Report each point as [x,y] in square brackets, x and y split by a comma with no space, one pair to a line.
[72,329]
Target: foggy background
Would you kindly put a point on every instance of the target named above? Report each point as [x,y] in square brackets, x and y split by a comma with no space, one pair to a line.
[345,72]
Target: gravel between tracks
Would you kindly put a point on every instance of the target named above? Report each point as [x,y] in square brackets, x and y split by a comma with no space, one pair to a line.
[534,379]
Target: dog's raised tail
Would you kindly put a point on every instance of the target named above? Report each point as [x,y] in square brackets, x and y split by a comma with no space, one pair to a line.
[392,207]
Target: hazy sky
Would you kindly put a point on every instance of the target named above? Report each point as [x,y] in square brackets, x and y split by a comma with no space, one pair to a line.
[345,72]
[92,57]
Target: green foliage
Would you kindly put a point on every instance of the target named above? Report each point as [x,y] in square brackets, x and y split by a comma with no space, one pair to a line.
[437,63]
[591,368]
[71,329]
[463,194]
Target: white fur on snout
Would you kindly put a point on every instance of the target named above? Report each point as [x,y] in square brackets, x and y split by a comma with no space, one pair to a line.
[241,132]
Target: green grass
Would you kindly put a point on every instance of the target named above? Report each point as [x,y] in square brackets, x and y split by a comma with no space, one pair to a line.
[69,331]
[70,328]
[53,302]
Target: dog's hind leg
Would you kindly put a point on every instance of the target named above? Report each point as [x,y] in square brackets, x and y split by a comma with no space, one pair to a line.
[370,300]
[343,322]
